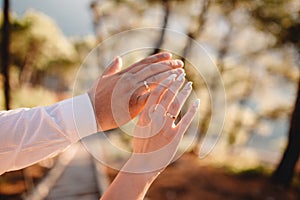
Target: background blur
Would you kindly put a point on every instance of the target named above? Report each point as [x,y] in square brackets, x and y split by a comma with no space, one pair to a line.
[255,45]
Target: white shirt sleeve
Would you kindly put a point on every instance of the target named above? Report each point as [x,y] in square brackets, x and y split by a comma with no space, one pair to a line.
[31,135]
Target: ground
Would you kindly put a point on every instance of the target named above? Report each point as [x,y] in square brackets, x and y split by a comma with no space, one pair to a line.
[14,184]
[190,179]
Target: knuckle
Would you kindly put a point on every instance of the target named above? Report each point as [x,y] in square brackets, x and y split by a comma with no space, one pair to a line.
[150,59]
[129,76]
[129,81]
[176,103]
[185,92]
[153,68]
[165,101]
[156,92]
[153,79]
[170,63]
[174,106]
[172,91]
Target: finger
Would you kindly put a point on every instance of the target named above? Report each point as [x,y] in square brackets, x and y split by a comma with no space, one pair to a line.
[142,88]
[171,92]
[152,83]
[154,69]
[178,102]
[147,61]
[158,91]
[141,100]
[187,118]
[142,94]
[150,60]
[156,79]
[114,67]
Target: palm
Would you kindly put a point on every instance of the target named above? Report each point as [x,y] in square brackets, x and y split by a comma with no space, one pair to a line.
[156,137]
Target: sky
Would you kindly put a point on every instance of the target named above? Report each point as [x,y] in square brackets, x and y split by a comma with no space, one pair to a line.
[72,16]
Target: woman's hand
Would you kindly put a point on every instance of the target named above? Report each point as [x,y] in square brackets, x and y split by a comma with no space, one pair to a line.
[156,139]
[118,96]
[156,136]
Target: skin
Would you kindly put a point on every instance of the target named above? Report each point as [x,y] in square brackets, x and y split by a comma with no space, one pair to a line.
[156,139]
[120,95]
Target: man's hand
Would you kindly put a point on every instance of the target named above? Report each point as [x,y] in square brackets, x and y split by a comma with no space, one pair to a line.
[118,96]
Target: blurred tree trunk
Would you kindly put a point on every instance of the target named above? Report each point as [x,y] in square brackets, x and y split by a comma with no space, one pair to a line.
[5,52]
[285,170]
[193,35]
[97,18]
[284,173]
[28,69]
[166,5]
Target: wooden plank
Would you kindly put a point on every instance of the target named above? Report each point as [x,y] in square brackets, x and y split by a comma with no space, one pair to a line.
[78,181]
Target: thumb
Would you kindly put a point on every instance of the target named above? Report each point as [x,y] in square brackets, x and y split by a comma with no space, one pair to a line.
[114,67]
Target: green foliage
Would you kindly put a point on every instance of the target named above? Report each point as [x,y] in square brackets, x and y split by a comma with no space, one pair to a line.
[38,46]
[257,171]
[38,97]
[253,172]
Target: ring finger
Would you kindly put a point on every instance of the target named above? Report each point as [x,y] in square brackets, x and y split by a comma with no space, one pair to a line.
[150,84]
[155,80]
[157,68]
[171,92]
[157,92]
[178,102]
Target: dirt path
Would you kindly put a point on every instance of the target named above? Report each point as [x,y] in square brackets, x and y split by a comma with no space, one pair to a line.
[190,179]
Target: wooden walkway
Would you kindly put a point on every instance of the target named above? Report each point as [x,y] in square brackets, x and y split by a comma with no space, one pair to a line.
[78,181]
[76,176]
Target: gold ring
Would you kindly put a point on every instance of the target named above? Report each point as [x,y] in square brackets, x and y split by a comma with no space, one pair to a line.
[147,86]
[170,115]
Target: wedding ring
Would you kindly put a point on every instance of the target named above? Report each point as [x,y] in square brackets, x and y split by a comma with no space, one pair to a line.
[170,115]
[147,86]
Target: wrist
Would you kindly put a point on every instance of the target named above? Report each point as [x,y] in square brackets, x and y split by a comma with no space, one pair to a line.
[130,184]
[139,178]
[91,95]
[82,116]
[140,165]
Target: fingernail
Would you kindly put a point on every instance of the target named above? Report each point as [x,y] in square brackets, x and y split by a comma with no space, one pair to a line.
[179,71]
[189,84]
[196,103]
[117,59]
[179,62]
[167,55]
[181,77]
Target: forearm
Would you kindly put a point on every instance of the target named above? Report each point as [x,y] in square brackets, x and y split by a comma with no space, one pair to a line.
[30,135]
[130,186]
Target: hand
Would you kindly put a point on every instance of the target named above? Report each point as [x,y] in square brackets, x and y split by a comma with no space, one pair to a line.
[118,96]
[156,136]
[156,139]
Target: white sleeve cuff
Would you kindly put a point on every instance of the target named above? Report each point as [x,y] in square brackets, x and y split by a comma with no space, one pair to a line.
[78,114]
